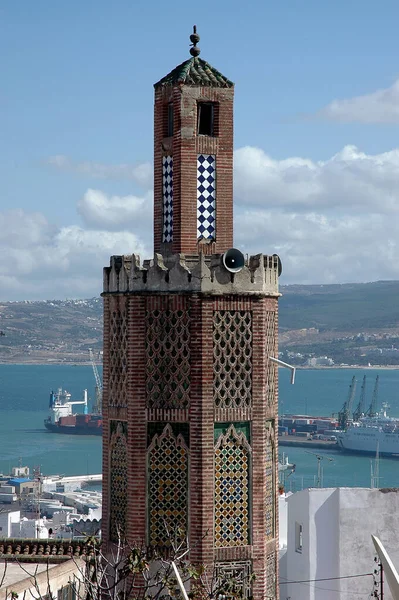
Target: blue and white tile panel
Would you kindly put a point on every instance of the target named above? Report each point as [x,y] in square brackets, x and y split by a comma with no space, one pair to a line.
[167,183]
[206,196]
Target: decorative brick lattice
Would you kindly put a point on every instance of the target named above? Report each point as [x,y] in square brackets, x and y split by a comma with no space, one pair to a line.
[270,493]
[118,480]
[232,353]
[206,196]
[167,191]
[232,455]
[270,349]
[233,580]
[167,487]
[271,575]
[118,359]
[168,359]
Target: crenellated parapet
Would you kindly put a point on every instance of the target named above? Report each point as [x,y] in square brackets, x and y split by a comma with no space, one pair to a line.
[179,273]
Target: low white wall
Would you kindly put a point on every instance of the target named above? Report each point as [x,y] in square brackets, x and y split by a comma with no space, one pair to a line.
[49,580]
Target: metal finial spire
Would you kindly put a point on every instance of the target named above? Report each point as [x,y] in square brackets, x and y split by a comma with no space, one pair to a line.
[195,38]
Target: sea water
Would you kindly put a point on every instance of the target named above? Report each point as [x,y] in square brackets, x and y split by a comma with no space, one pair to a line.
[24,396]
[24,400]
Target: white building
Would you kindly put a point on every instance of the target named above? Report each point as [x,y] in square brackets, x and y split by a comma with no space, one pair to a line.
[320,361]
[7,521]
[63,525]
[31,529]
[12,526]
[328,538]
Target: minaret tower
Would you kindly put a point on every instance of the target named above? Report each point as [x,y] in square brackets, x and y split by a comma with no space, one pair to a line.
[193,131]
[190,392]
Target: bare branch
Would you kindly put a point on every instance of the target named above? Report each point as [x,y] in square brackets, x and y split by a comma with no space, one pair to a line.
[3,577]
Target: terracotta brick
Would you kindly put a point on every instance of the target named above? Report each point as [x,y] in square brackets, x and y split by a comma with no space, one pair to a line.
[200,415]
[184,150]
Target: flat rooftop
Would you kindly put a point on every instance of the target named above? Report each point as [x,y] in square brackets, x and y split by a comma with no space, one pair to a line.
[13,572]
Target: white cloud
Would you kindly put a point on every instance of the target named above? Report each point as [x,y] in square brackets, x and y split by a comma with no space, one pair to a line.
[350,180]
[330,221]
[115,212]
[319,249]
[140,173]
[381,106]
[23,230]
[77,246]
[40,261]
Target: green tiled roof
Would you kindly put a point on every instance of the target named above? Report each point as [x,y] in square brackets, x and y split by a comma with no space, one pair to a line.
[195,71]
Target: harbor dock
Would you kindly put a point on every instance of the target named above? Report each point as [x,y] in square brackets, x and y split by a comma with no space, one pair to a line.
[296,442]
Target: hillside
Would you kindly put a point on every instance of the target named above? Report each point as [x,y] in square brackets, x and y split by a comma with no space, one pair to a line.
[340,307]
[56,330]
[350,323]
[355,324]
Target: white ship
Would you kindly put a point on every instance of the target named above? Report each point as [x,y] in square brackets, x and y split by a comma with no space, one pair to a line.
[371,434]
[61,405]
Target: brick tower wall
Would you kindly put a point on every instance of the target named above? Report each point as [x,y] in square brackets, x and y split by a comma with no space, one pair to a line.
[190,395]
[184,146]
[135,414]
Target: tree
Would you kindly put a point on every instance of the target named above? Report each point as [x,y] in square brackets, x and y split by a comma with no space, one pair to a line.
[138,573]
[125,571]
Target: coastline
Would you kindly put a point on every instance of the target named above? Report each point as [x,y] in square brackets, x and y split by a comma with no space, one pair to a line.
[363,367]
[47,363]
[289,441]
[84,363]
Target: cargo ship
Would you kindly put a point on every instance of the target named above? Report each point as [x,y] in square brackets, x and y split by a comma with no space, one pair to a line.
[367,431]
[62,419]
[370,435]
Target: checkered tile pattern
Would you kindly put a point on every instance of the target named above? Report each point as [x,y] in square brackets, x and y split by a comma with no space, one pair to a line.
[167,181]
[206,196]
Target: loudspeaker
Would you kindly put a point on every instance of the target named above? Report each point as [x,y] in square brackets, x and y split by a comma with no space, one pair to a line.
[233,260]
[279,263]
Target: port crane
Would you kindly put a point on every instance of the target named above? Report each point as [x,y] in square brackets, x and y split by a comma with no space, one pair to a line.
[343,415]
[359,410]
[99,386]
[372,410]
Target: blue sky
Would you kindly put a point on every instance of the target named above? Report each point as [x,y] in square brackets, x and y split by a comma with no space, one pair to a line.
[76,106]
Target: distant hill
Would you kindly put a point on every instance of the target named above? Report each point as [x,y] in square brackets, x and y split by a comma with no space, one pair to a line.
[349,306]
[352,323]
[51,330]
